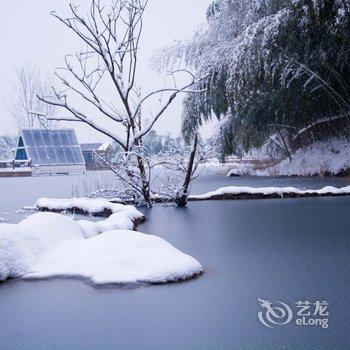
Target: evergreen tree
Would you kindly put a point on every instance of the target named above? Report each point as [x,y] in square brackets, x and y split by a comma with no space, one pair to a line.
[275,67]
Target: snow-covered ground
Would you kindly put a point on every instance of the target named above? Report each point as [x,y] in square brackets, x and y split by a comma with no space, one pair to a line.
[54,245]
[17,170]
[329,157]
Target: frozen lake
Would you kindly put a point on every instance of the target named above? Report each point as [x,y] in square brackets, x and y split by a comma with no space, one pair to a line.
[280,250]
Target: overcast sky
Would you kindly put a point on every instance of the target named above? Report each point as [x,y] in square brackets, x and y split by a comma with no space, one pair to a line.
[33,36]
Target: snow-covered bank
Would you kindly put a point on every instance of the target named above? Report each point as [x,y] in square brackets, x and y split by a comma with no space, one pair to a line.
[53,245]
[329,157]
[233,192]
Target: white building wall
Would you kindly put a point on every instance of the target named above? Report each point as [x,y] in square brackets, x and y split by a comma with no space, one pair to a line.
[58,169]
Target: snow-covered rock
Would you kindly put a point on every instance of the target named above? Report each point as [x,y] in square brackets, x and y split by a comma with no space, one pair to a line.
[53,245]
[88,205]
[241,169]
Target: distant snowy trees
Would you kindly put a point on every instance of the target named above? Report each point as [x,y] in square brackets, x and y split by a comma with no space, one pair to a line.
[7,143]
[275,67]
[29,83]
[160,144]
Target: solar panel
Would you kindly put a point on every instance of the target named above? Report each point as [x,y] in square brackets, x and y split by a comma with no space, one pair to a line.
[38,141]
[72,137]
[47,139]
[29,139]
[78,155]
[52,147]
[60,155]
[56,138]
[69,155]
[51,153]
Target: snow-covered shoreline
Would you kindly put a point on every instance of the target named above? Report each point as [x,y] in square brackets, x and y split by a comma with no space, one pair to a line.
[47,245]
[234,192]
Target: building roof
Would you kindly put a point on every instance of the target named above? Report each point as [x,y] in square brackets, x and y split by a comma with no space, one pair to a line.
[88,147]
[51,147]
[85,147]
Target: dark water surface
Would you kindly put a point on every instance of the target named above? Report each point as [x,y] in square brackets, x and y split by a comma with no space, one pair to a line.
[281,250]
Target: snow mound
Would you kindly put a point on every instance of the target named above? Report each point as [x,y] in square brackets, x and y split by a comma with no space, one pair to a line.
[53,245]
[23,245]
[268,191]
[123,257]
[118,221]
[121,217]
[124,217]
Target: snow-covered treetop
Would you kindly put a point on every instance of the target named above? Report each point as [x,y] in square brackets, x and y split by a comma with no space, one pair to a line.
[269,62]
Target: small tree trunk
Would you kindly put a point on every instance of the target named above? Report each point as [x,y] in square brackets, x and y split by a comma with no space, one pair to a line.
[284,142]
[145,185]
[181,201]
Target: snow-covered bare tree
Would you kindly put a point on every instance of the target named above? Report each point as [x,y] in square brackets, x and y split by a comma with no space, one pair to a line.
[110,32]
[182,164]
[170,173]
[24,99]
